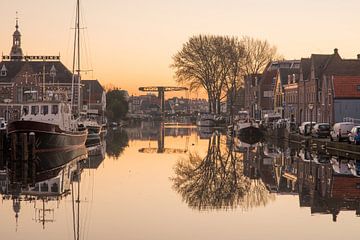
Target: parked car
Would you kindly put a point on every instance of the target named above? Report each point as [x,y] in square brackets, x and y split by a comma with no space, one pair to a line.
[340,131]
[321,130]
[354,135]
[304,128]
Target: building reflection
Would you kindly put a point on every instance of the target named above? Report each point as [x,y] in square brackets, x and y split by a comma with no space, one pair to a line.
[314,175]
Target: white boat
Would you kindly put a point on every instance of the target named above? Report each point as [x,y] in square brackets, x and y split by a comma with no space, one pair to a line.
[243,121]
[91,123]
[52,124]
[206,120]
[344,167]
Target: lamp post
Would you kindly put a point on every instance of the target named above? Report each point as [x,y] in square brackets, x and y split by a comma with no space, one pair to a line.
[7,101]
[311,107]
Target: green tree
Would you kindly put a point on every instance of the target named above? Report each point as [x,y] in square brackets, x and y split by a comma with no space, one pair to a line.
[117,104]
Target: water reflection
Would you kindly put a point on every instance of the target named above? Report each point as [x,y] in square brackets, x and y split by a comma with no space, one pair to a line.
[324,183]
[45,183]
[217,181]
[47,179]
[117,140]
[157,131]
[234,174]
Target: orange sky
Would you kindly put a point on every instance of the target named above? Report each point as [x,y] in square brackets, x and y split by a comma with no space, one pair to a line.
[130,43]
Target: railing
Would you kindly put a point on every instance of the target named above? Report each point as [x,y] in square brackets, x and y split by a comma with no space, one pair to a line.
[353,120]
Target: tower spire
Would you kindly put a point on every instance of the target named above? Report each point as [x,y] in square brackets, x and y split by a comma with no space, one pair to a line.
[16,51]
[17,21]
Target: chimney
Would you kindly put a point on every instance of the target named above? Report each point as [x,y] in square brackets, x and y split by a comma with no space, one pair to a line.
[335,50]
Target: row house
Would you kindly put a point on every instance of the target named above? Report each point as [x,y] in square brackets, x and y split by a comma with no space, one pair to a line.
[340,99]
[260,89]
[251,92]
[285,92]
[316,88]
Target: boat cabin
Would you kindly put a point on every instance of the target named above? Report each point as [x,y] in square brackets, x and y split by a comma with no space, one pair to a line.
[58,113]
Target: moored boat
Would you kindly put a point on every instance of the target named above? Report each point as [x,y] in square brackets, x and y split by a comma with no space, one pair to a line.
[247,128]
[206,120]
[51,123]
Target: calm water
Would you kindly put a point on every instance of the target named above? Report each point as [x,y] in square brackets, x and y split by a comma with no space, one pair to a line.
[150,182]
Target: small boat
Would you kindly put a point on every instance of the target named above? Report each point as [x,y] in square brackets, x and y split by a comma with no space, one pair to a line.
[51,123]
[90,122]
[206,120]
[247,128]
[344,167]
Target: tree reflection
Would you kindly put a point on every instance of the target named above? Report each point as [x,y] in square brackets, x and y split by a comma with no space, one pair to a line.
[116,142]
[218,181]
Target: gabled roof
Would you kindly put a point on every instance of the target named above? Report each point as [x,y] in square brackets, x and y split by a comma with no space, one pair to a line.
[268,76]
[319,62]
[346,86]
[346,67]
[285,72]
[305,64]
[93,84]
[62,74]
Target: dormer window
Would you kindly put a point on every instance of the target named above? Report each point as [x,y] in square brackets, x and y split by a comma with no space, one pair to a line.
[53,71]
[3,71]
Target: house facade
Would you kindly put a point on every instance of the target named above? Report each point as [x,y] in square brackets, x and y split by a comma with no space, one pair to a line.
[341,99]
[315,85]
[284,101]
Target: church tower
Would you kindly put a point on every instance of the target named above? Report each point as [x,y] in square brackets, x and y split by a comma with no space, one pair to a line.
[16,51]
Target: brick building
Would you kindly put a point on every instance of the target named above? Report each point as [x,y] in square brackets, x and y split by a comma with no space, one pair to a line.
[316,74]
[33,78]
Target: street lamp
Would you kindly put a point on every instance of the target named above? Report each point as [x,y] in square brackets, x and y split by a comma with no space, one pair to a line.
[311,107]
[7,101]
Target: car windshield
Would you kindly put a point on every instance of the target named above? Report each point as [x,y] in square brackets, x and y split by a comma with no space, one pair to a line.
[324,127]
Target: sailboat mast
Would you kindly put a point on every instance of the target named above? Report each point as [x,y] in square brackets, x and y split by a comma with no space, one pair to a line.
[78,48]
[76,57]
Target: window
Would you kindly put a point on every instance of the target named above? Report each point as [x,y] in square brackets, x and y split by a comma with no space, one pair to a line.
[358,87]
[55,109]
[44,109]
[25,110]
[3,71]
[34,110]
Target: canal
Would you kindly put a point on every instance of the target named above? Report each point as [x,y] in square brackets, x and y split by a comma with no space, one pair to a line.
[175,182]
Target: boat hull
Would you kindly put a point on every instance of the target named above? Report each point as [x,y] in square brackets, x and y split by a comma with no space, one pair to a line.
[205,123]
[251,135]
[49,137]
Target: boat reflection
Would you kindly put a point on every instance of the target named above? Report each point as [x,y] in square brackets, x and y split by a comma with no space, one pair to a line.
[44,184]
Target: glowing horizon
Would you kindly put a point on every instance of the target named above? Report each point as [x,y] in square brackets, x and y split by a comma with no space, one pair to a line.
[131,43]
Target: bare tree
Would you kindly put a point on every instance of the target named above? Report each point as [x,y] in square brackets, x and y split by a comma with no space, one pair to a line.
[219,63]
[206,61]
[258,53]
